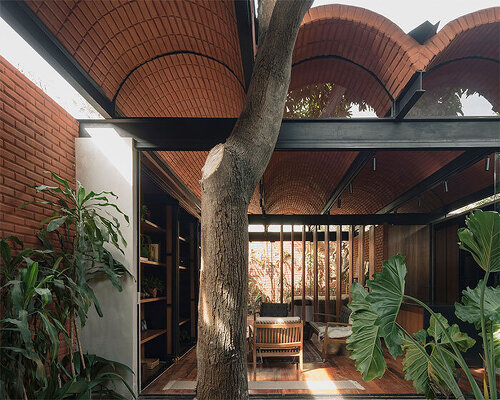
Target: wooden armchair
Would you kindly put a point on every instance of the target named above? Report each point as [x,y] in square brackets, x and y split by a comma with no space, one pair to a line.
[277,339]
[333,332]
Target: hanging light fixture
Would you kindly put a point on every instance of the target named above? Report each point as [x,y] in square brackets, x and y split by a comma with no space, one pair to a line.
[374,164]
[419,202]
[350,188]
[487,164]
[446,186]
[338,202]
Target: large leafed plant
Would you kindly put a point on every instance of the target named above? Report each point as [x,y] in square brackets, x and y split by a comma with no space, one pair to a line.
[432,357]
[44,292]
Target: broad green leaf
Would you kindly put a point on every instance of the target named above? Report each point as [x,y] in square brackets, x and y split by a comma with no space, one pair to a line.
[416,364]
[496,343]
[56,223]
[386,299]
[462,340]
[365,339]
[481,238]
[469,310]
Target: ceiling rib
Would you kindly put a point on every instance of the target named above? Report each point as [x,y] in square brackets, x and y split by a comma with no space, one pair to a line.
[455,166]
[354,169]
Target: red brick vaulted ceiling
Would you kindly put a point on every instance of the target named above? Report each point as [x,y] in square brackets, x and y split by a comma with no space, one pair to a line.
[182,59]
[114,39]
[359,49]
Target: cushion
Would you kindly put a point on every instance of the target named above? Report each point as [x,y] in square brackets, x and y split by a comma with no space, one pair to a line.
[274,310]
[334,332]
[277,320]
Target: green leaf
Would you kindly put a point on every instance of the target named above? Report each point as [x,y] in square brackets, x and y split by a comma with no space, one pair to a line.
[31,276]
[386,299]
[56,223]
[496,343]
[45,295]
[462,340]
[365,339]
[469,310]
[81,195]
[52,333]
[416,364]
[481,238]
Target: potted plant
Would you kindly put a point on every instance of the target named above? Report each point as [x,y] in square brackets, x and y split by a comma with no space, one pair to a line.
[145,242]
[145,213]
[151,286]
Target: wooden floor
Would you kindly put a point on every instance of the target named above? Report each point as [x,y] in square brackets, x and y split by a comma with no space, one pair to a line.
[337,368]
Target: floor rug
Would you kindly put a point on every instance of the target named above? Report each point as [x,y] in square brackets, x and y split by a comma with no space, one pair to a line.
[278,385]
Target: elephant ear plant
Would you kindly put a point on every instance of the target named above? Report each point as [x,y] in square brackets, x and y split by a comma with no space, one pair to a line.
[44,292]
[432,357]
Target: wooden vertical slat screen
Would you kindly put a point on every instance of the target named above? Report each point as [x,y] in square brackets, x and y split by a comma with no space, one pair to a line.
[315,273]
[371,252]
[338,272]
[351,258]
[361,255]
[303,273]
[293,272]
[327,272]
[281,263]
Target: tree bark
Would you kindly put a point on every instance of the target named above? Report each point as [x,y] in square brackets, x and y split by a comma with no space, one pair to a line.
[229,177]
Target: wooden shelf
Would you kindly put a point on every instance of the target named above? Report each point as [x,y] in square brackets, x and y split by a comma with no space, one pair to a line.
[150,334]
[153,263]
[184,321]
[182,239]
[152,299]
[151,227]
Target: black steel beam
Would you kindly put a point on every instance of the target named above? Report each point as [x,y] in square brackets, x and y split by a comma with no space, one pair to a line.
[463,161]
[201,134]
[244,21]
[297,236]
[408,97]
[354,169]
[28,25]
[346,219]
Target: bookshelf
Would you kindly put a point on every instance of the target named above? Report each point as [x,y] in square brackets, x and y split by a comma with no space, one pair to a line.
[170,317]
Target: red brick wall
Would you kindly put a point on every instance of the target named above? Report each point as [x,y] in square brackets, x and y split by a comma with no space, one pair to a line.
[36,135]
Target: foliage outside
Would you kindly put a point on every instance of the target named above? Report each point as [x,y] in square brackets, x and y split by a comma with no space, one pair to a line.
[432,357]
[264,271]
[46,297]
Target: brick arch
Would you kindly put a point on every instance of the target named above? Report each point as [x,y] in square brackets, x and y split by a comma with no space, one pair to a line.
[111,38]
[181,85]
[477,74]
[360,38]
[359,84]
[471,35]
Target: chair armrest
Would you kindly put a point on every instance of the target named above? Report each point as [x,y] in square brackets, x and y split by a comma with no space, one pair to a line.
[337,323]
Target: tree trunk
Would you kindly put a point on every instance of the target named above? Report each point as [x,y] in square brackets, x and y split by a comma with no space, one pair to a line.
[230,175]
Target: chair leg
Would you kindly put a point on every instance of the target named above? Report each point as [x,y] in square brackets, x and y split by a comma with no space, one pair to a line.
[325,347]
[301,360]
[254,360]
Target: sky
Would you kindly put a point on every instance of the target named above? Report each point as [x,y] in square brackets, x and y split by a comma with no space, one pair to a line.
[407,15]
[410,14]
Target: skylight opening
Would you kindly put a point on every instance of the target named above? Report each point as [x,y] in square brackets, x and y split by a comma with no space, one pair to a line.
[23,57]
[477,204]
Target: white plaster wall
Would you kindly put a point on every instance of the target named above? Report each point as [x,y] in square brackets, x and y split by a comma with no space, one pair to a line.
[108,162]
